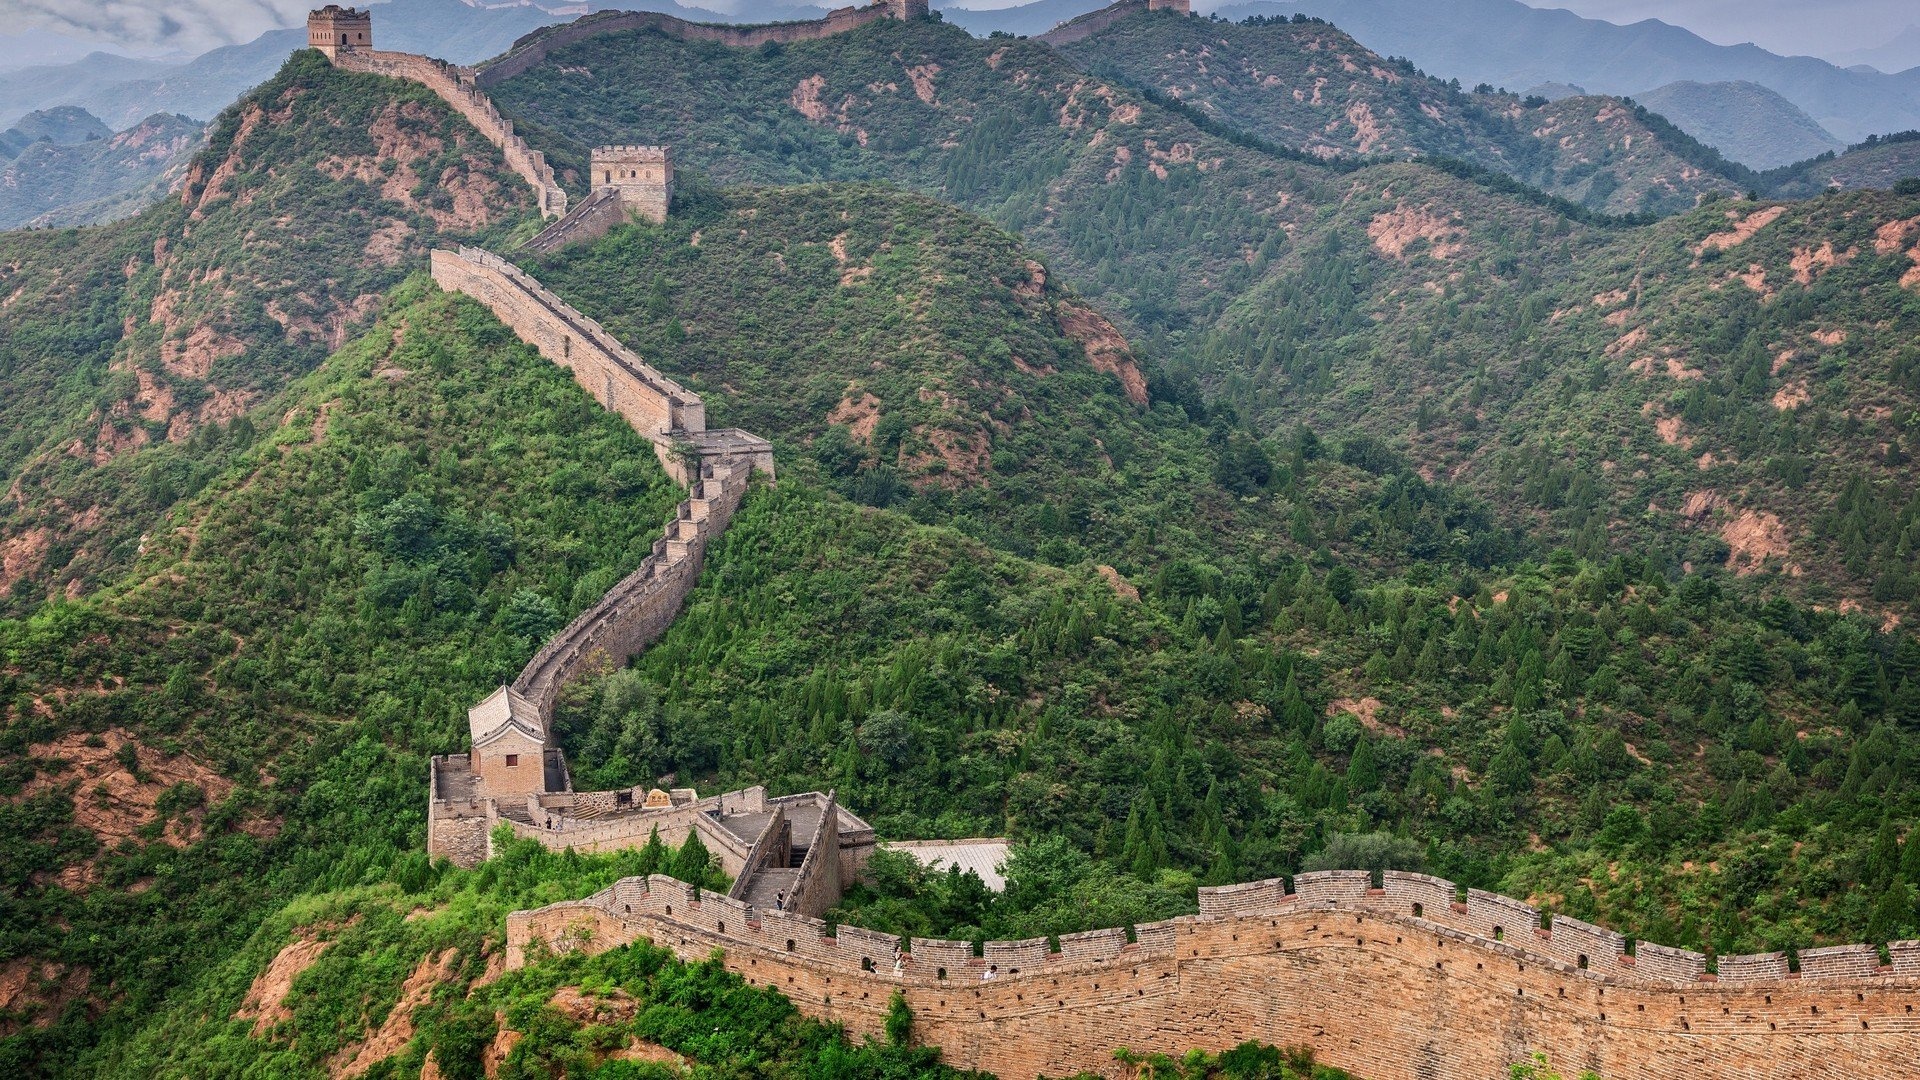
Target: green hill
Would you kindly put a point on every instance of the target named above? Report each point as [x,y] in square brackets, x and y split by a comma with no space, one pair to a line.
[1306,86]
[1745,121]
[1342,554]
[316,194]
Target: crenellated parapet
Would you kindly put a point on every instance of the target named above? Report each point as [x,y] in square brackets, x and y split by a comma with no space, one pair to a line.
[1411,979]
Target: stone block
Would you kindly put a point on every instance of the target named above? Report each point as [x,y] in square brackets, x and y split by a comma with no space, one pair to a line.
[1658,963]
[1334,885]
[1753,968]
[1092,945]
[1017,955]
[1840,962]
[1247,898]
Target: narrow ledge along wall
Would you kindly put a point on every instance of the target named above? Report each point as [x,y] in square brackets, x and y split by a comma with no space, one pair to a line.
[1406,982]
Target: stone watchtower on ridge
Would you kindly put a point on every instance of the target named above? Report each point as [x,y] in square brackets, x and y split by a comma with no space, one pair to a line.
[334,29]
[643,175]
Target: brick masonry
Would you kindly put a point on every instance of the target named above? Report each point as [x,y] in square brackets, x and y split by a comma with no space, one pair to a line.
[1370,986]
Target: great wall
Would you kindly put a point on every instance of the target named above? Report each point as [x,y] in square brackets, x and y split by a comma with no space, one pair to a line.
[1399,977]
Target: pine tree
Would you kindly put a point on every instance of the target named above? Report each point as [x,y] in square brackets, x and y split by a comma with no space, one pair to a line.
[1883,859]
[654,857]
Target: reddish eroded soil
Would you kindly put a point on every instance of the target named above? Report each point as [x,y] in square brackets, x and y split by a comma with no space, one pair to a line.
[112,803]
[266,1000]
[34,992]
[1393,231]
[859,410]
[396,1031]
[1742,231]
[1367,711]
[1106,350]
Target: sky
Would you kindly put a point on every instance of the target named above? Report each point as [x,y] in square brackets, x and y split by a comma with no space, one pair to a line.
[1832,29]
[1840,30]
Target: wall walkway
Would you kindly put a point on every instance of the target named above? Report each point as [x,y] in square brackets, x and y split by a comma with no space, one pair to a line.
[1406,982]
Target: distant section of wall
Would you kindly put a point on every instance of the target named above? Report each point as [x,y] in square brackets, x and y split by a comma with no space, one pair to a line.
[455,88]
[531,50]
[1372,988]
[1093,22]
[641,607]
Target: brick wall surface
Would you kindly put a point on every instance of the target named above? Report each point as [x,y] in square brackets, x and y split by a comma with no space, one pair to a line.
[1755,967]
[1384,995]
[1841,962]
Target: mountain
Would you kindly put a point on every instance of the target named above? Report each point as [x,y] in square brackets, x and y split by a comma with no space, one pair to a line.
[40,87]
[1308,87]
[1507,43]
[284,233]
[1900,52]
[1745,121]
[1278,283]
[1185,507]
[121,90]
[1023,20]
[97,179]
[1877,163]
[64,125]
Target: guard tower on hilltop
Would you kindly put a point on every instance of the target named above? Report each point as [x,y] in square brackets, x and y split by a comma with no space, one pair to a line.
[643,175]
[1184,7]
[334,30]
[904,9]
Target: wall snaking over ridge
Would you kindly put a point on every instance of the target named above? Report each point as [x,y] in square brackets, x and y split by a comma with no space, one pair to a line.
[1456,991]
[453,86]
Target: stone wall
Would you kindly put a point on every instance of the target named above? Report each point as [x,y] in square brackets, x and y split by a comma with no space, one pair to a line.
[1372,988]
[531,50]
[454,86]
[655,405]
[1085,26]
[593,218]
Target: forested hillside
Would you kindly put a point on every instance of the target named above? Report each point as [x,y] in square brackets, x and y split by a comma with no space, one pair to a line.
[1304,85]
[316,194]
[1391,297]
[1187,508]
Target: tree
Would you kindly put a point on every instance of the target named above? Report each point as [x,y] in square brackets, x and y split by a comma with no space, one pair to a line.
[693,863]
[899,1020]
[1375,851]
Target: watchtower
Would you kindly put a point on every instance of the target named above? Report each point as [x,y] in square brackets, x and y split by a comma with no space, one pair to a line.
[509,755]
[904,9]
[642,174]
[1184,7]
[334,29]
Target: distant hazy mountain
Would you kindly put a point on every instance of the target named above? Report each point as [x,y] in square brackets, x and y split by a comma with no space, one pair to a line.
[1027,20]
[1899,53]
[97,177]
[1507,43]
[63,125]
[1745,121]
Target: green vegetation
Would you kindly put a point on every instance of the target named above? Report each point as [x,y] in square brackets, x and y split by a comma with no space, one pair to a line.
[1363,580]
[1306,86]
[310,625]
[316,194]
[413,956]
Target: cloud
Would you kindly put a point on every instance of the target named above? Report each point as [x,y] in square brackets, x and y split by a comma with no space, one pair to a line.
[192,25]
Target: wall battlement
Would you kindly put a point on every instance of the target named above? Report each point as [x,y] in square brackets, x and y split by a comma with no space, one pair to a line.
[1351,969]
